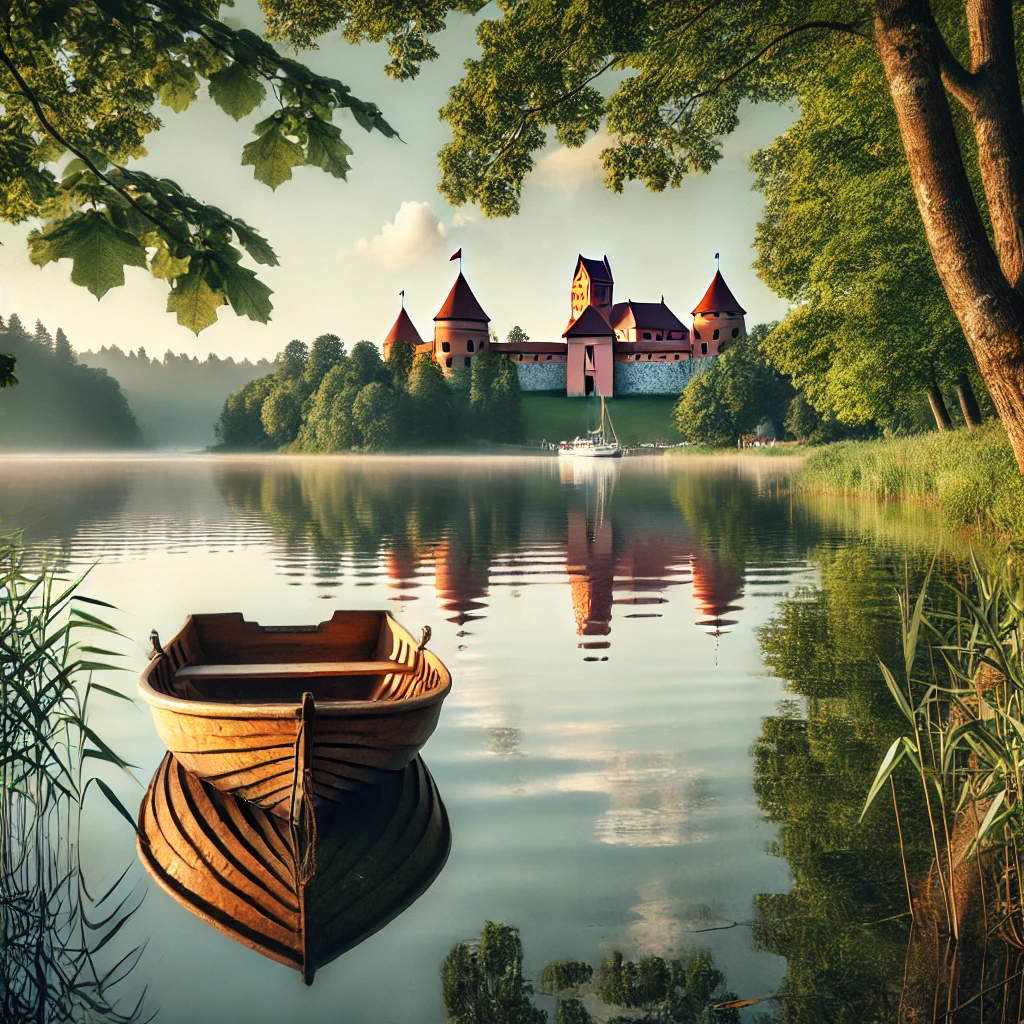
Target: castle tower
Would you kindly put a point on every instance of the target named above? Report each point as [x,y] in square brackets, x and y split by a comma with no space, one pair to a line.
[403,329]
[592,285]
[590,355]
[717,319]
[460,327]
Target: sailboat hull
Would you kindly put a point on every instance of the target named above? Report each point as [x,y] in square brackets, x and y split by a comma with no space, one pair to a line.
[595,452]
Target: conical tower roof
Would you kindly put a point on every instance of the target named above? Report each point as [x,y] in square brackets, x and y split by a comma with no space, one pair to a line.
[718,297]
[461,304]
[403,329]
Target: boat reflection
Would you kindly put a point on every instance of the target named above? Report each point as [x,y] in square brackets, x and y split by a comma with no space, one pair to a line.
[300,901]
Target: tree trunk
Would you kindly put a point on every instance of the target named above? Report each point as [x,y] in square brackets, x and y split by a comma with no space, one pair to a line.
[939,410]
[968,402]
[989,309]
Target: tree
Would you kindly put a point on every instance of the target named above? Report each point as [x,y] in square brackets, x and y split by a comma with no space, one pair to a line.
[241,423]
[739,393]
[292,361]
[43,337]
[372,415]
[431,402]
[281,413]
[517,336]
[871,330]
[399,361]
[81,81]
[66,354]
[327,352]
[367,365]
[328,425]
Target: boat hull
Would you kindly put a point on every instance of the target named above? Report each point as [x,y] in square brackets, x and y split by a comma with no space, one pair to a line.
[299,901]
[584,454]
[280,756]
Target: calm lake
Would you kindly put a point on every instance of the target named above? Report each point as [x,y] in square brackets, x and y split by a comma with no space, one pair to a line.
[665,713]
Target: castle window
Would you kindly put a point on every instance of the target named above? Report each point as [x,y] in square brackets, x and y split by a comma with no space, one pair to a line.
[714,337]
[448,362]
[536,359]
[735,332]
[703,348]
[648,356]
[696,334]
[445,347]
[548,358]
[658,336]
[637,356]
[520,357]
[467,361]
[647,335]
[676,356]
[469,345]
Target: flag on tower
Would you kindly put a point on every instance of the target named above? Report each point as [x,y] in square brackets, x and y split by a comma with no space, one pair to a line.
[455,256]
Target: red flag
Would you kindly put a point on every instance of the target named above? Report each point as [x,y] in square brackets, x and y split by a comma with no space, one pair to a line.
[455,256]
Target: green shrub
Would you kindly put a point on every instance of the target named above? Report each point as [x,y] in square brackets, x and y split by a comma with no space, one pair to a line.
[565,976]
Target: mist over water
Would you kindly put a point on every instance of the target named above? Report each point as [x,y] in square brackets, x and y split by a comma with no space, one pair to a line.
[605,626]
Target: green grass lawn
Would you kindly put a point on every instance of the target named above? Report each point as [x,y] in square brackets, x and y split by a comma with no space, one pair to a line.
[638,418]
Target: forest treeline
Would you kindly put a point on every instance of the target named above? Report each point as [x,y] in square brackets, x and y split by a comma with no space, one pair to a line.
[178,398]
[322,398]
[53,400]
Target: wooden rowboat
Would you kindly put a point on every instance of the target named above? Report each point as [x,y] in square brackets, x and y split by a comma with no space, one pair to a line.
[248,874]
[285,716]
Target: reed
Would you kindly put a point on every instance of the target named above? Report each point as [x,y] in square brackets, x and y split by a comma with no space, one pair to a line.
[961,690]
[51,929]
[972,478]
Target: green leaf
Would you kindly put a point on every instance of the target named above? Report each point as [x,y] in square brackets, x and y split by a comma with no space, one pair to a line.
[99,251]
[177,84]
[325,148]
[164,264]
[194,301]
[247,294]
[254,244]
[892,758]
[272,157]
[894,689]
[115,802]
[236,91]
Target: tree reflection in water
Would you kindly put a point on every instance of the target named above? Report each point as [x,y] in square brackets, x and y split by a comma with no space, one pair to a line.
[482,982]
[844,927]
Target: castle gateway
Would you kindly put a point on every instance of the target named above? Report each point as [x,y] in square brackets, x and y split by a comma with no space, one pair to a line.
[607,348]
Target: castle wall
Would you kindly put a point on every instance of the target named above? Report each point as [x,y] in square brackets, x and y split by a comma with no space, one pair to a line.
[658,378]
[541,376]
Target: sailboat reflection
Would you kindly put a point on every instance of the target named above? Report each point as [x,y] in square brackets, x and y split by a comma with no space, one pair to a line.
[300,901]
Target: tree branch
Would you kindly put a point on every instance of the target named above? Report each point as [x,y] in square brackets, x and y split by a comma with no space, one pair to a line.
[27,92]
[960,83]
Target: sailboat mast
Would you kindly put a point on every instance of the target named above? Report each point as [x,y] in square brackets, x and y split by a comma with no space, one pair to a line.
[606,415]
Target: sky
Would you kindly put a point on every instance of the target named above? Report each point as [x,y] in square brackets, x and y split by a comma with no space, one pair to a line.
[348,247]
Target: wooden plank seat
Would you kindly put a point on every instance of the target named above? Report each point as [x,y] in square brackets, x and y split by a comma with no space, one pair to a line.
[288,670]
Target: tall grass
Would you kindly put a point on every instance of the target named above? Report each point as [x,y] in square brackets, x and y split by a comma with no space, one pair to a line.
[971,477]
[961,689]
[51,929]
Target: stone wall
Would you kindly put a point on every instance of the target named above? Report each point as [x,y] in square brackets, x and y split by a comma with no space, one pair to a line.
[542,376]
[656,377]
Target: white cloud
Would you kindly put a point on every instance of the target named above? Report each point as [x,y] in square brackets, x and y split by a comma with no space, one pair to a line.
[570,168]
[414,233]
[460,220]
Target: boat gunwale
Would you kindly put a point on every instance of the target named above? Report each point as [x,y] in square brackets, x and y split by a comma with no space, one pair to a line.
[327,708]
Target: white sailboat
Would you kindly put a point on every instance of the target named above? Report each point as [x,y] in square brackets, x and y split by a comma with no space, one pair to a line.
[598,444]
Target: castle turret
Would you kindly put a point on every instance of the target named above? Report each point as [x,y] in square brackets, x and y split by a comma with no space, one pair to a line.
[460,327]
[717,319]
[592,285]
[403,329]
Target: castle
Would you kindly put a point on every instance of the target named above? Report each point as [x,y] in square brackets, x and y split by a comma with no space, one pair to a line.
[608,348]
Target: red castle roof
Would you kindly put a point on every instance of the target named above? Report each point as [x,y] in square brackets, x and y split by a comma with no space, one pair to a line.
[403,329]
[591,323]
[461,304]
[649,315]
[718,297]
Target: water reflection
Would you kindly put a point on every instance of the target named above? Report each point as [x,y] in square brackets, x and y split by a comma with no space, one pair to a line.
[253,878]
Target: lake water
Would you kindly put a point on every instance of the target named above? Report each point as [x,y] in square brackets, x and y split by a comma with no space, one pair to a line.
[609,756]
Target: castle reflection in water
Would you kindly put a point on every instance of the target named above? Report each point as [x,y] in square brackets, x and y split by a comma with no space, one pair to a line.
[449,530]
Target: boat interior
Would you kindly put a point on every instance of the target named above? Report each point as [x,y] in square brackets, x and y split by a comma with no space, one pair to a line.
[354,656]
